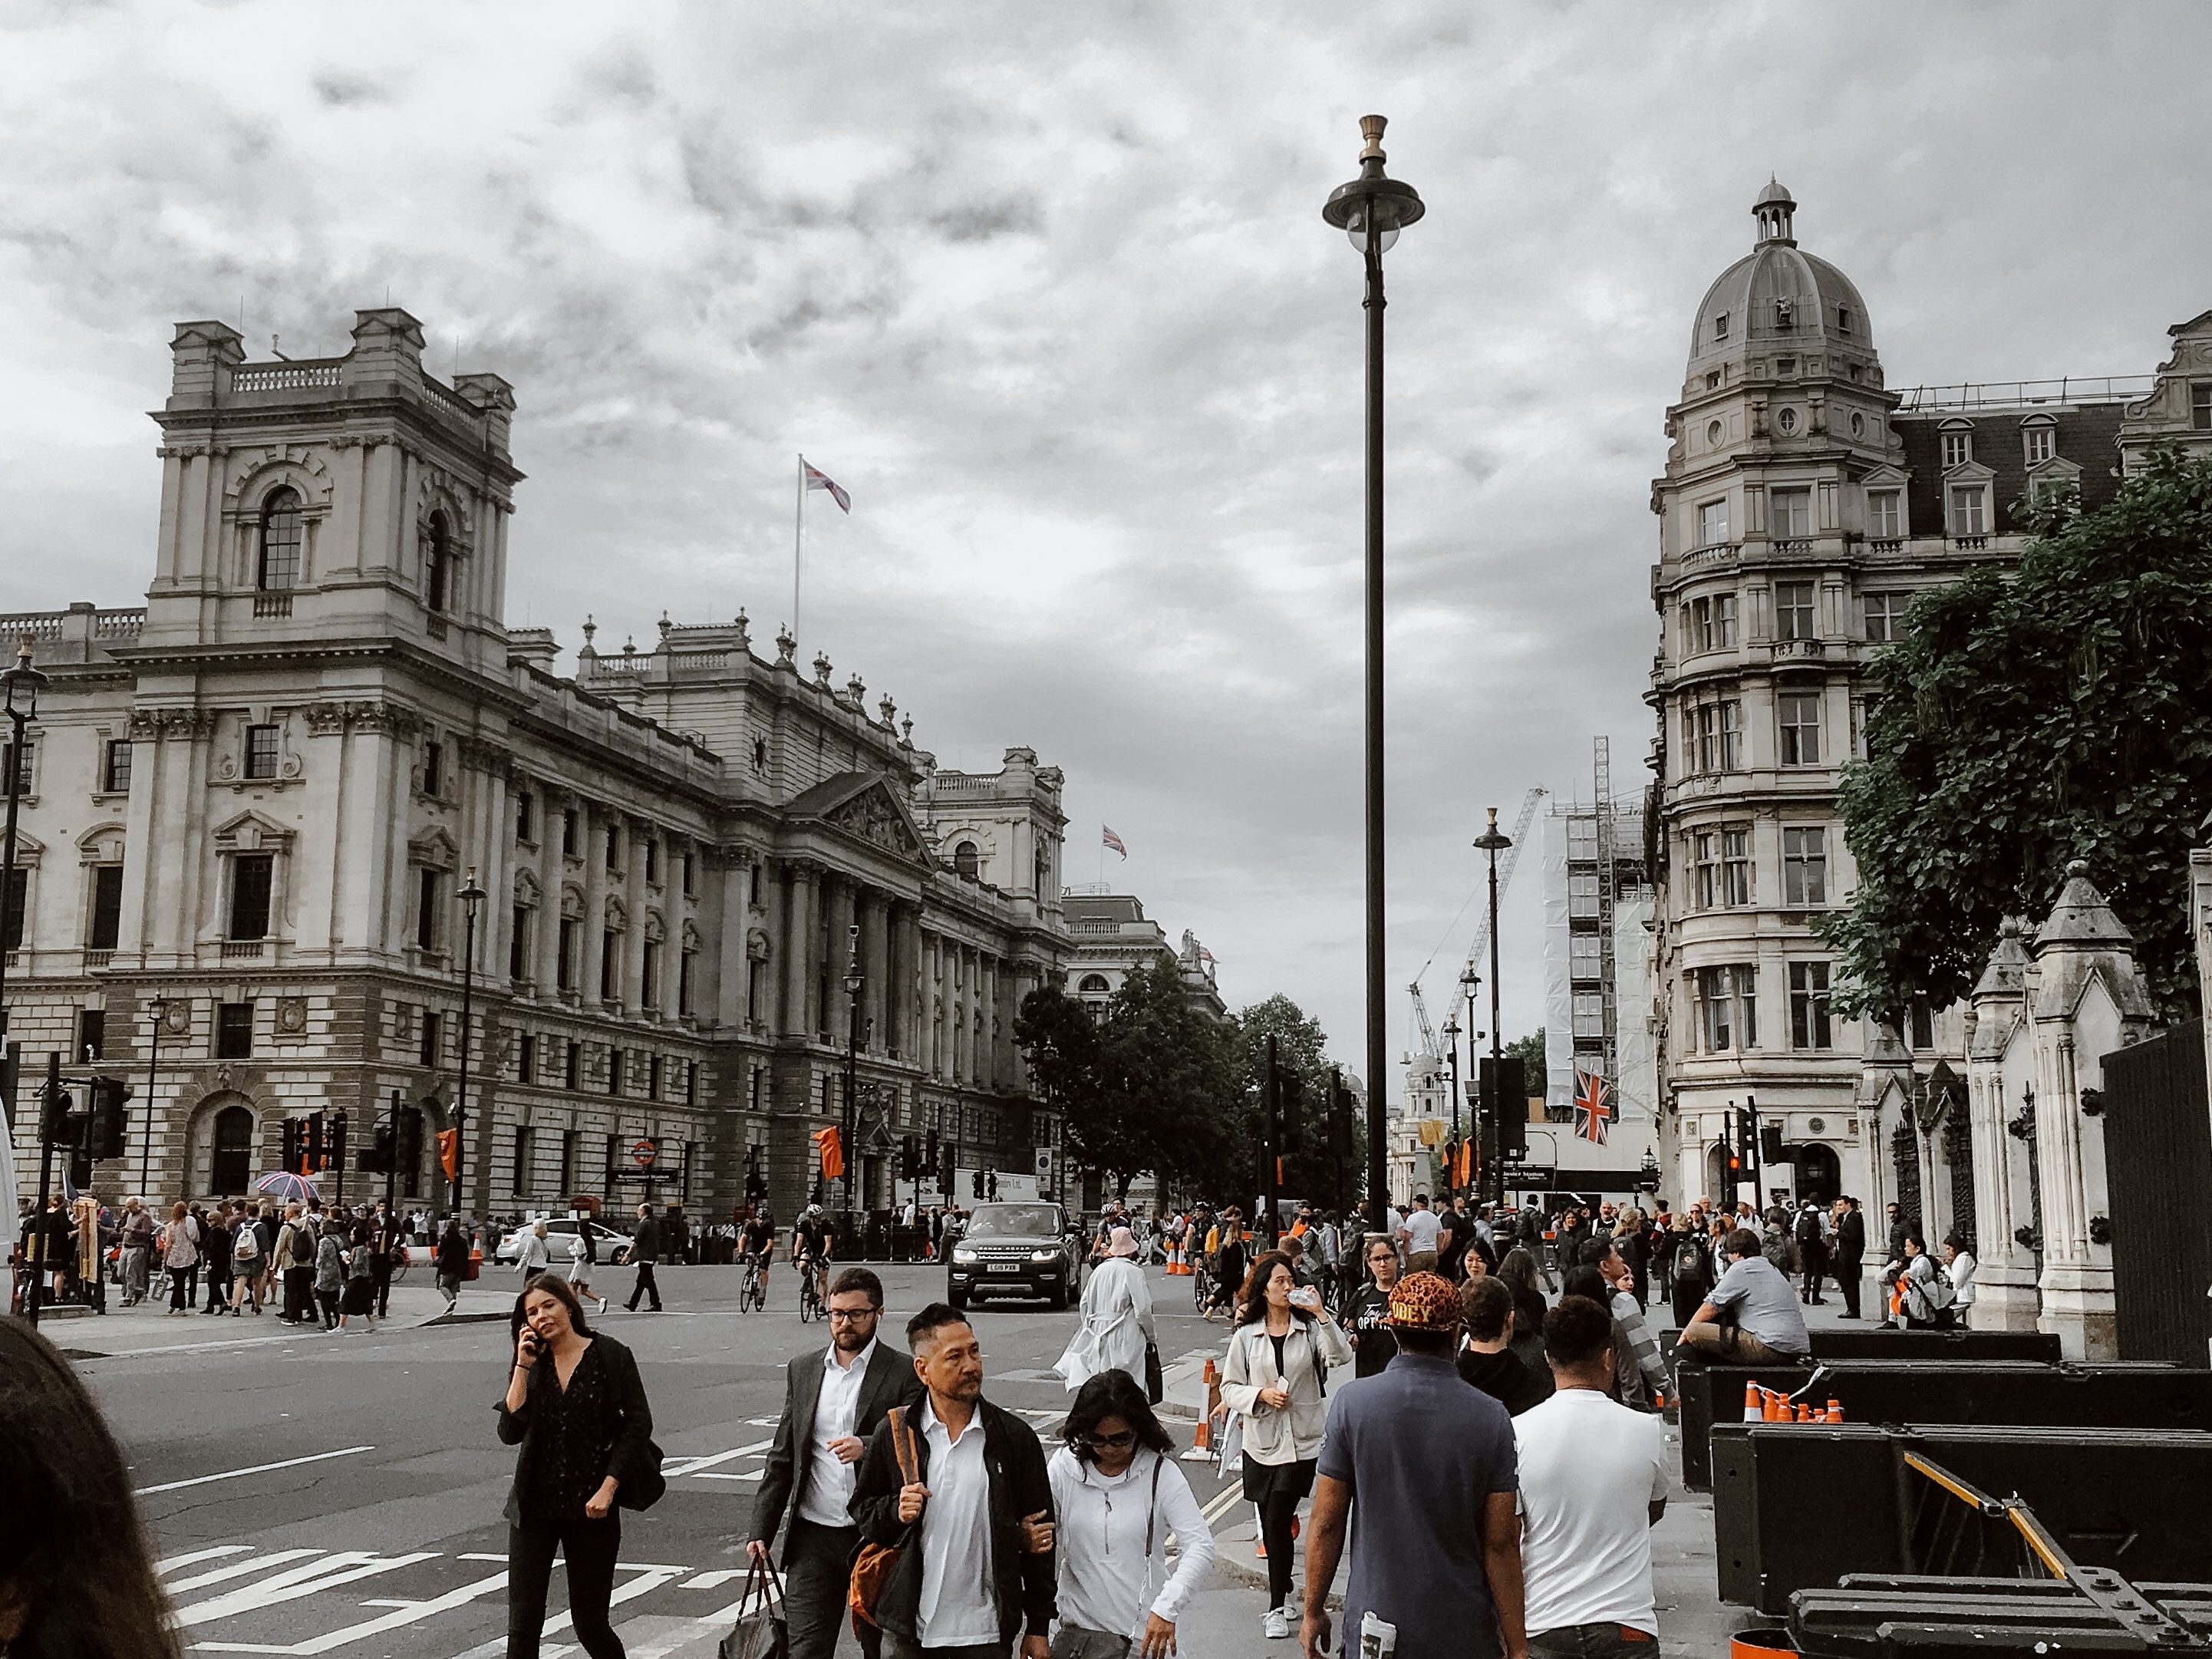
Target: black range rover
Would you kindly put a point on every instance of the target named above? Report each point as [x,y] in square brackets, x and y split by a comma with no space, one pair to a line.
[1012,1249]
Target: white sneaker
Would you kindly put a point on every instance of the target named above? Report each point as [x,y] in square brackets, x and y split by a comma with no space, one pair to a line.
[1279,1623]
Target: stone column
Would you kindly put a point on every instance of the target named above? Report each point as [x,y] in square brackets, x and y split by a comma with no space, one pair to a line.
[732,868]
[874,917]
[798,952]
[2085,998]
[1999,1062]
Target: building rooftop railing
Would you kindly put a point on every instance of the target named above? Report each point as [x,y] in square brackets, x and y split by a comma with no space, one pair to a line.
[2015,394]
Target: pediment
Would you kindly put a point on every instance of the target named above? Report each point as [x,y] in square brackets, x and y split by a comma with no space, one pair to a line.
[1970,472]
[1887,476]
[864,805]
[250,832]
[434,848]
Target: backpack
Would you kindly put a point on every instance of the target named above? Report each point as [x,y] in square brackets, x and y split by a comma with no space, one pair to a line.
[303,1247]
[1809,1227]
[1690,1258]
[1926,1297]
[244,1246]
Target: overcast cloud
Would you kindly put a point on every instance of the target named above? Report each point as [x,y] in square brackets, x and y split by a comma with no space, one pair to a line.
[1046,289]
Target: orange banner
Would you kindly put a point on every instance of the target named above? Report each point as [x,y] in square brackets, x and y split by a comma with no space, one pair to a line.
[449,1152]
[826,1142]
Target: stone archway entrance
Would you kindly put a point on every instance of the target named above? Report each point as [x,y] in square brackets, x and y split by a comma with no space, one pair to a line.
[222,1139]
[1820,1172]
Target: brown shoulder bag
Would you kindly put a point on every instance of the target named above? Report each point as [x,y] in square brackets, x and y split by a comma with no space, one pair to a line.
[872,1567]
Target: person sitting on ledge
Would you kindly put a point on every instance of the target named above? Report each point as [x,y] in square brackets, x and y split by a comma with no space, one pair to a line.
[1752,1314]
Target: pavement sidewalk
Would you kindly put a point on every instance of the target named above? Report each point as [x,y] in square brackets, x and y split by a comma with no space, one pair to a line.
[151,1328]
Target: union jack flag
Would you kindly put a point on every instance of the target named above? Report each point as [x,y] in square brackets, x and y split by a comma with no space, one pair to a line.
[1114,841]
[816,480]
[1593,1112]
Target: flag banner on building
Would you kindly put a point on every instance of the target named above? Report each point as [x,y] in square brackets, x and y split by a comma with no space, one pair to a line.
[449,1152]
[1114,841]
[1593,1109]
[832,1152]
[818,480]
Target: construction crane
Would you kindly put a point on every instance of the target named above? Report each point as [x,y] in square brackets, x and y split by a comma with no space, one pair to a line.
[1424,1031]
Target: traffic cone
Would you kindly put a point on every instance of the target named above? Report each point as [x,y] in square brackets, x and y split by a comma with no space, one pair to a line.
[1804,1412]
[1835,1410]
[1754,1410]
[1778,1409]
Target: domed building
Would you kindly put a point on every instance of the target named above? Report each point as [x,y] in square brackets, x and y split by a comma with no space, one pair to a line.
[1803,505]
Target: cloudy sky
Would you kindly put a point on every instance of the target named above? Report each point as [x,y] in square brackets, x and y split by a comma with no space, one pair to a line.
[1046,289]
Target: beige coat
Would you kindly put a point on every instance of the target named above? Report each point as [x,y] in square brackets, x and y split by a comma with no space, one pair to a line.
[1273,1437]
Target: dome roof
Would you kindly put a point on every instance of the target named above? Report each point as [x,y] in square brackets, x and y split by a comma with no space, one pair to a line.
[1777,295]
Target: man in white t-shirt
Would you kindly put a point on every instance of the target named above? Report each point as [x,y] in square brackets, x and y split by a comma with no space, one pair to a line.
[1421,1230]
[1593,1484]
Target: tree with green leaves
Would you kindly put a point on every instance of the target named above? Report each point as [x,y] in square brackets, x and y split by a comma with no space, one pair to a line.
[1529,1051]
[1301,1046]
[2059,711]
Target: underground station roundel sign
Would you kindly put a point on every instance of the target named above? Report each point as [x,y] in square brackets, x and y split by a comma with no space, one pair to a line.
[644,1153]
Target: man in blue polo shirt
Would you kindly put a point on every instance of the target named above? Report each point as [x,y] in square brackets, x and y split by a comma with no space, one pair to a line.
[1429,1464]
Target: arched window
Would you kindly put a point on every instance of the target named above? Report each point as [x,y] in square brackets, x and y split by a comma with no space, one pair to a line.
[232,1172]
[964,859]
[435,560]
[1093,985]
[277,567]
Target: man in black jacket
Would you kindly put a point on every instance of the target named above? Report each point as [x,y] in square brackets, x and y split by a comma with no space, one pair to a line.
[1849,1262]
[977,1569]
[832,1404]
[644,1251]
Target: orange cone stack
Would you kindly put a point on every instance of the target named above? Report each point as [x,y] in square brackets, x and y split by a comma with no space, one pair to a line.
[1835,1410]
[1754,1410]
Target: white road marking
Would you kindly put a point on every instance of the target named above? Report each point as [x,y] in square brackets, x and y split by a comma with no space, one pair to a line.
[693,1465]
[236,1570]
[1223,1503]
[258,1468]
[343,1567]
[175,1561]
[762,1422]
[652,1579]
[405,1613]
[196,1347]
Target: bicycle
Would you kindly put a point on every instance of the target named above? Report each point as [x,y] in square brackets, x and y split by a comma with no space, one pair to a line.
[811,1305]
[752,1296]
[1201,1285]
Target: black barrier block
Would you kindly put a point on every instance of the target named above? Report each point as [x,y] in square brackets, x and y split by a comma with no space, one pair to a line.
[1946,1618]
[1798,1506]
[2040,1346]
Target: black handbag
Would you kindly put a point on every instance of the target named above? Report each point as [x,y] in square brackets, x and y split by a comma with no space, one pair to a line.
[1155,1382]
[648,1488]
[761,1632]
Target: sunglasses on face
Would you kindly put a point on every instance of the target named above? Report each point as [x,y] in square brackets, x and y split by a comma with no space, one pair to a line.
[1120,1442]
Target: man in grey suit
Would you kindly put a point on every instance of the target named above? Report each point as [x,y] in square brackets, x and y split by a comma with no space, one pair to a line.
[832,1403]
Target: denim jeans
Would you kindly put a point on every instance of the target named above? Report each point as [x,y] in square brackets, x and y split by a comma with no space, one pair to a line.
[1601,1640]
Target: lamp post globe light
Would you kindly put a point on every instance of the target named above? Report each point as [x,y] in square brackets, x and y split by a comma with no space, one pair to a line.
[471,896]
[157,1009]
[855,982]
[1494,842]
[22,684]
[1371,210]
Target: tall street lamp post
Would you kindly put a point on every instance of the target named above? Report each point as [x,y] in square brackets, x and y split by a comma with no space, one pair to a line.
[22,683]
[1371,210]
[1468,980]
[1494,842]
[156,1009]
[1451,1158]
[855,982]
[471,896]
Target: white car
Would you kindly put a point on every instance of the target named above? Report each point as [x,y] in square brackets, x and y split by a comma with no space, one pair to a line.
[613,1246]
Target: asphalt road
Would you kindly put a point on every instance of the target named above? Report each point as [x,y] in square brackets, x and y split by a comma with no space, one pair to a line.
[313,1494]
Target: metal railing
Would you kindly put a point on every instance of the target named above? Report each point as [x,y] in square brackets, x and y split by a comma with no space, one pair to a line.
[2012,394]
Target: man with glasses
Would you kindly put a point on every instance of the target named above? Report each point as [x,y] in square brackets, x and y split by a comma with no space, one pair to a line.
[831,1404]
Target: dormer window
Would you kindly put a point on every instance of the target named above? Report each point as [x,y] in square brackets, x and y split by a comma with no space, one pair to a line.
[1713,382]
[436,564]
[1720,326]
[1957,446]
[2040,439]
[278,565]
[1843,322]
[1784,314]
[2200,406]
[964,860]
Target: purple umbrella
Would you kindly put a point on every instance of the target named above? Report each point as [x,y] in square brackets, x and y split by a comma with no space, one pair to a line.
[289,1188]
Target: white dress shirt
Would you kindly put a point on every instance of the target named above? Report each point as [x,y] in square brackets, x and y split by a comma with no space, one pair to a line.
[829,1478]
[956,1608]
[1106,1579]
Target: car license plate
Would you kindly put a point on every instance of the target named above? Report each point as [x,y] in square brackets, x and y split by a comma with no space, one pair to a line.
[1006,1266]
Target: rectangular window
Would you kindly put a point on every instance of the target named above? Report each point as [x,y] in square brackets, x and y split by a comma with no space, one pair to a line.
[525,1060]
[430,1039]
[1885,617]
[564,966]
[1701,624]
[21,766]
[572,1066]
[1720,326]
[614,849]
[261,751]
[1967,516]
[1792,514]
[1581,896]
[1723,629]
[648,975]
[1804,867]
[252,875]
[115,767]
[1800,713]
[106,907]
[1735,866]
[525,1149]
[1712,523]
[1884,515]
[1709,738]
[433,767]
[234,1030]
[690,891]
[2200,406]
[610,965]
[1921,1021]
[568,1162]
[1583,959]
[1809,1026]
[429,907]
[568,832]
[690,1082]
[1589,1013]
[1728,1016]
[518,943]
[1958,449]
[1793,611]
[1731,737]
[1689,634]
[652,1073]
[1705,860]
[91,1034]
[525,817]
[652,859]
[616,1060]
[684,980]
[2042,443]
[1582,840]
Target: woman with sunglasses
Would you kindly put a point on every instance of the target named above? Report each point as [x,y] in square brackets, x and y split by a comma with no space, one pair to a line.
[1119,1496]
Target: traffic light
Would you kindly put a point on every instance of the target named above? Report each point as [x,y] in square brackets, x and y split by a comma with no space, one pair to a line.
[1769,1143]
[290,1156]
[1290,1091]
[110,1116]
[909,1158]
[1747,1134]
[976,1176]
[935,1162]
[53,1115]
[312,1158]
[337,1160]
[1505,1085]
[948,1168]
[80,1165]
[381,1156]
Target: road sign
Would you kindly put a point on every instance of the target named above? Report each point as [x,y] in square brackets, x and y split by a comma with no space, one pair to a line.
[644,1153]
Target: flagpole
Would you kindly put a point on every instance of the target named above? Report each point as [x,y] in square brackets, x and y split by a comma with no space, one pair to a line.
[797,542]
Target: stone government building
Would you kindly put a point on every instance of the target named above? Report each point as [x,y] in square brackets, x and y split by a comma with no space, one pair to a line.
[1804,504]
[259,799]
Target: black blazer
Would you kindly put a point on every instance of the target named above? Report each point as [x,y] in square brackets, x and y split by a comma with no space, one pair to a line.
[890,1381]
[1021,1584]
[1850,1238]
[625,1430]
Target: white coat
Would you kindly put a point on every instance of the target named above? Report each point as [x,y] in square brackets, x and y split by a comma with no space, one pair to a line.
[1273,1437]
[1117,1324]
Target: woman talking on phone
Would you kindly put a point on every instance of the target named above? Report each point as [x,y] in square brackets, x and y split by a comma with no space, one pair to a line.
[575,1407]
[1275,1376]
